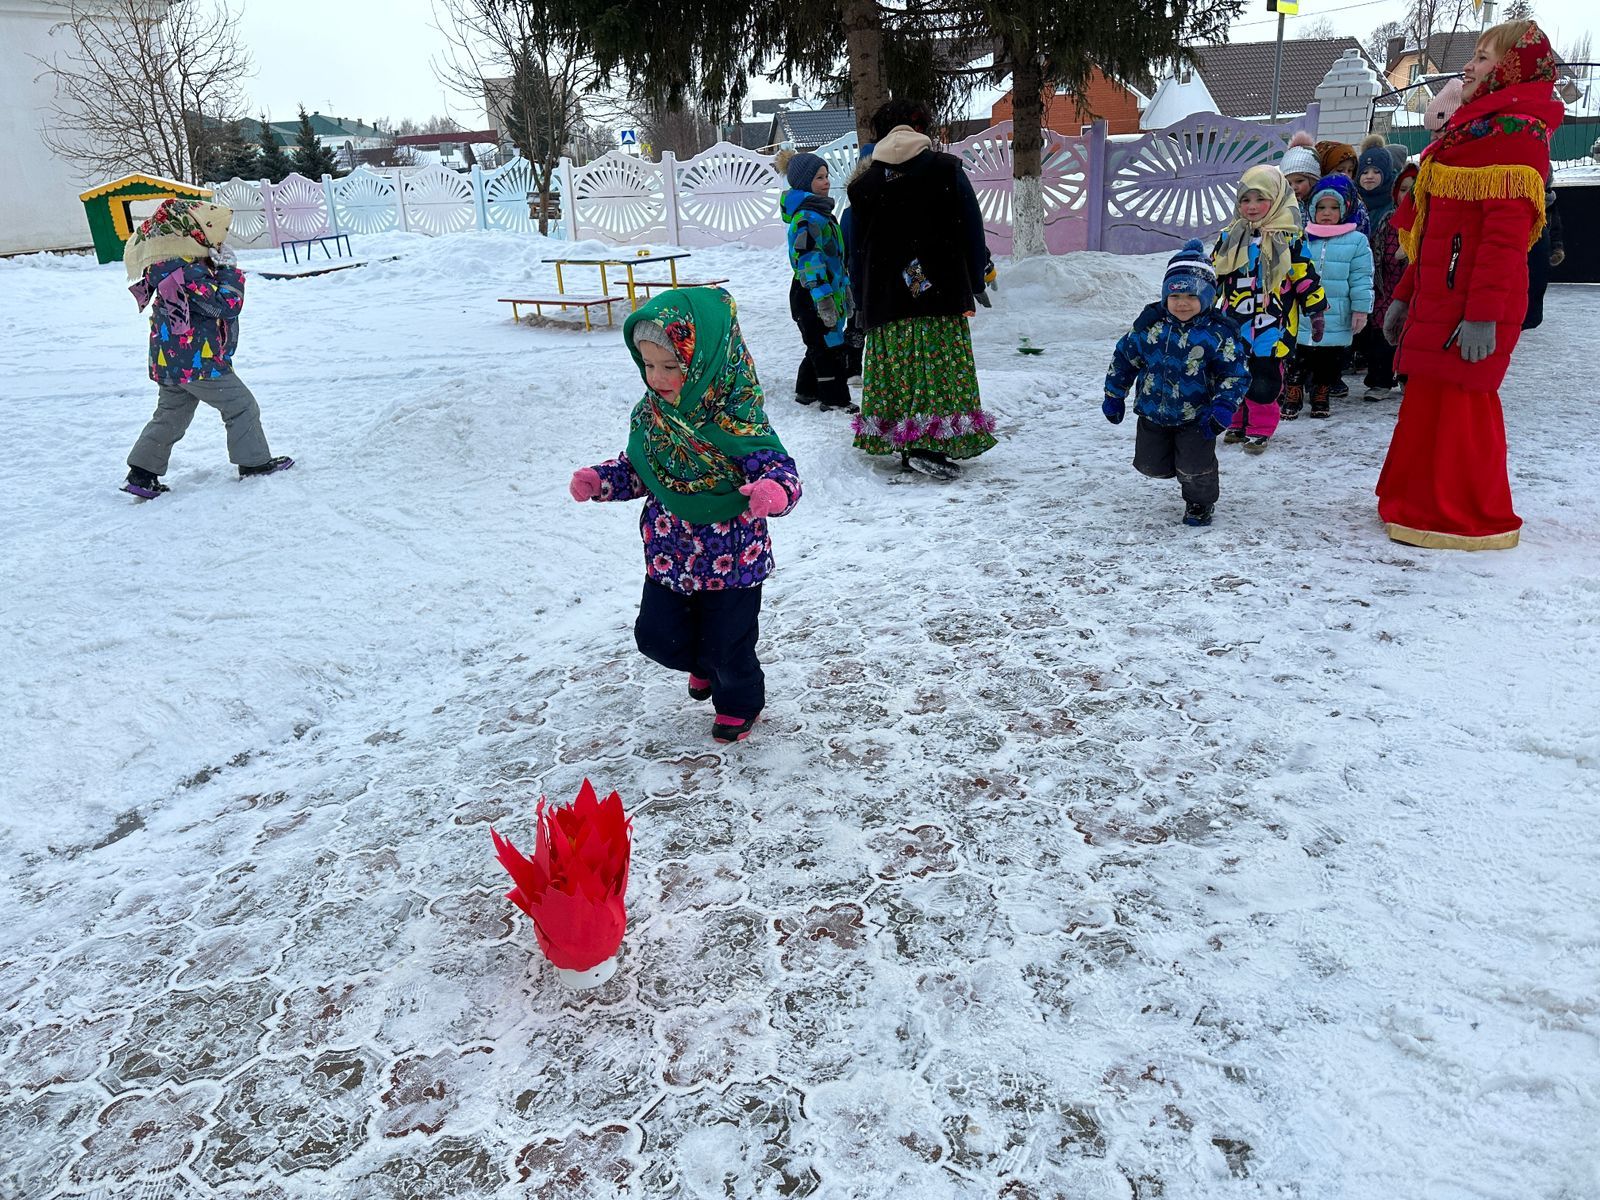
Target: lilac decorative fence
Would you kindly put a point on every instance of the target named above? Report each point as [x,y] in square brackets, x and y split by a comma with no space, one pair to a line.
[1126,194]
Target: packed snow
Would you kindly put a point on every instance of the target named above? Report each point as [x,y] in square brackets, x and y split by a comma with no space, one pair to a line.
[1079,853]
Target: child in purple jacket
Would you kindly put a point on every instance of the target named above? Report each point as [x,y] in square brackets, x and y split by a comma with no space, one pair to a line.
[710,471]
[183,269]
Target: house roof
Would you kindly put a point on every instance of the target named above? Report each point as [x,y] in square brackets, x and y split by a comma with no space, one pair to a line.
[451,137]
[1239,75]
[1449,52]
[811,129]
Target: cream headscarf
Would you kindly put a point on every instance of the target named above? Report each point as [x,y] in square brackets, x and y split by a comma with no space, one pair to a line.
[177,229]
[1278,230]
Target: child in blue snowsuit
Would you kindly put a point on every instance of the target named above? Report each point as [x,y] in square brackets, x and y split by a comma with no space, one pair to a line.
[1342,255]
[819,296]
[1190,369]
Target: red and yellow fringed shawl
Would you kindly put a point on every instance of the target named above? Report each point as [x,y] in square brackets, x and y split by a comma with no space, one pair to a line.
[1497,145]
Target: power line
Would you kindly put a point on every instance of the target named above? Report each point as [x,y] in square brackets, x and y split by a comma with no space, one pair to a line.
[1320,13]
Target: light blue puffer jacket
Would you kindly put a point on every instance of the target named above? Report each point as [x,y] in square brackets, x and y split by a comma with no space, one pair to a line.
[1344,261]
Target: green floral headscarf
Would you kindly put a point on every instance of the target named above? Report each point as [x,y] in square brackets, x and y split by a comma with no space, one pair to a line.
[687,451]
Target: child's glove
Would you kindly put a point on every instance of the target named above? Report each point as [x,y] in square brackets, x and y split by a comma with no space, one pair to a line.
[1358,322]
[1394,321]
[1558,256]
[224,256]
[585,484]
[1114,409]
[1319,326]
[1477,340]
[766,497]
[827,312]
[1216,421]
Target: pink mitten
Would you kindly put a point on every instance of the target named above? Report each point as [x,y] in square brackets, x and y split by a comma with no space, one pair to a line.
[1358,322]
[585,484]
[766,497]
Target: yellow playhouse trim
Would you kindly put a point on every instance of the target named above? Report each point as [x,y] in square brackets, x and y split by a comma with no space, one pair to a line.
[169,186]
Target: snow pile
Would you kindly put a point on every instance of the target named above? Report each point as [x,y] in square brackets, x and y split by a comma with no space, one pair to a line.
[1078,853]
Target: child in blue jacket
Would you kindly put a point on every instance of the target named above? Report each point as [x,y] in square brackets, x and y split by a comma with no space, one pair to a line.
[1338,247]
[819,296]
[1191,366]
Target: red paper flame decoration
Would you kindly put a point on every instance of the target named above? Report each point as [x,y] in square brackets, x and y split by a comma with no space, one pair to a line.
[574,885]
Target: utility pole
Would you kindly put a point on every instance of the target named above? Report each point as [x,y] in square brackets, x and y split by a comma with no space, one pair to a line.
[1282,8]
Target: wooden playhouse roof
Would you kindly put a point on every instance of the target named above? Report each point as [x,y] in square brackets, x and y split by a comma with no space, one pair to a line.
[144,183]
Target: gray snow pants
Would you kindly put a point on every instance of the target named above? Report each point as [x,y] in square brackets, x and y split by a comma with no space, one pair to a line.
[1162,451]
[247,445]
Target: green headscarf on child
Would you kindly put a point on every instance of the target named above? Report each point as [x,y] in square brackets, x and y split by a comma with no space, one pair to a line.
[687,451]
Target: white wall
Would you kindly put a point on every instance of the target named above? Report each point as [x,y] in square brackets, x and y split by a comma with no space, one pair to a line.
[39,205]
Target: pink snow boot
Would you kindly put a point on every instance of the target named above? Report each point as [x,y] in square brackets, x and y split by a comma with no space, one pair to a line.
[699,689]
[732,729]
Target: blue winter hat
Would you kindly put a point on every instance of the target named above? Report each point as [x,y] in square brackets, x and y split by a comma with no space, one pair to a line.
[1377,158]
[1190,273]
[1341,189]
[802,169]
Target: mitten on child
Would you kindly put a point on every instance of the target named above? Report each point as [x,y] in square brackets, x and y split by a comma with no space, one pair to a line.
[1216,420]
[1394,321]
[1319,326]
[1358,322]
[585,484]
[224,256]
[1114,409]
[827,312]
[766,497]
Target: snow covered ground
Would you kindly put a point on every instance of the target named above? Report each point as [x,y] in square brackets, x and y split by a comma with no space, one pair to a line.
[1081,854]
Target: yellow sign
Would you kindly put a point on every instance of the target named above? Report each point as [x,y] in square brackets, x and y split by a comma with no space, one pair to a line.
[1287,7]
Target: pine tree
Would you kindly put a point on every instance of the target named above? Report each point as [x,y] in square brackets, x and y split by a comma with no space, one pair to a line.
[311,158]
[272,162]
[230,155]
[1519,10]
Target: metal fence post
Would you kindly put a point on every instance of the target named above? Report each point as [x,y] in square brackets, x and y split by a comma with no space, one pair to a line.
[480,198]
[327,198]
[1095,200]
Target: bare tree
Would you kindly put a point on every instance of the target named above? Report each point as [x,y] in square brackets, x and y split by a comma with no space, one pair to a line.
[1424,18]
[1322,27]
[514,57]
[1377,42]
[144,86]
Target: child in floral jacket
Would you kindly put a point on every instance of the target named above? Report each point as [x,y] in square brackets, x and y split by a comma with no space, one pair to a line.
[1191,366]
[185,273]
[711,471]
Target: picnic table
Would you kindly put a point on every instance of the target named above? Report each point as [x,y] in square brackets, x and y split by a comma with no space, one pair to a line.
[320,239]
[626,261]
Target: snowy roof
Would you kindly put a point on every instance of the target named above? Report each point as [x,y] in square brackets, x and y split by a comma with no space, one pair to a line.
[808,130]
[1239,75]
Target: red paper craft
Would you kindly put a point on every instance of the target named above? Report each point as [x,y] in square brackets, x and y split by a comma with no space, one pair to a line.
[574,885]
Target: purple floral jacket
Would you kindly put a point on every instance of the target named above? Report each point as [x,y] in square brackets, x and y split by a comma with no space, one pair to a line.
[194,318]
[703,558]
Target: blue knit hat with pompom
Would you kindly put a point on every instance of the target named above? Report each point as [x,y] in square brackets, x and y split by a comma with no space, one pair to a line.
[1190,273]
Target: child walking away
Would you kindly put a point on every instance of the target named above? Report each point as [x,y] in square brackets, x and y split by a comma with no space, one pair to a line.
[1343,261]
[1189,366]
[182,268]
[819,296]
[1269,287]
[710,471]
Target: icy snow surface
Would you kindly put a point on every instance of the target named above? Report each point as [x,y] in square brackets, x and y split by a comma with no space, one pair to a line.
[1080,854]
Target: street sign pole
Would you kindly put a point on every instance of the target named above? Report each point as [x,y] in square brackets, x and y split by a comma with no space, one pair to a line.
[1277,64]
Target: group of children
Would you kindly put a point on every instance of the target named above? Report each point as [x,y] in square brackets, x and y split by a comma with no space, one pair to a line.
[1301,276]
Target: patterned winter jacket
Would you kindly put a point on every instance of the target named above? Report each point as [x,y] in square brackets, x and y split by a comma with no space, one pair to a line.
[194,320]
[1183,368]
[1271,324]
[703,558]
[1389,263]
[816,247]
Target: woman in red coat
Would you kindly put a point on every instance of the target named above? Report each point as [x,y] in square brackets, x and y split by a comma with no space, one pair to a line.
[1477,206]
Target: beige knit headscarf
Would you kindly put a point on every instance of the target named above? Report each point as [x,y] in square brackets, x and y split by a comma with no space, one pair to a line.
[178,228]
[1278,230]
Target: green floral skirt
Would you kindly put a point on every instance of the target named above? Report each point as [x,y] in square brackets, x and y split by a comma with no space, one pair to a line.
[921,390]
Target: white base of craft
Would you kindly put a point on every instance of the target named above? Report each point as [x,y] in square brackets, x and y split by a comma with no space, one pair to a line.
[580,981]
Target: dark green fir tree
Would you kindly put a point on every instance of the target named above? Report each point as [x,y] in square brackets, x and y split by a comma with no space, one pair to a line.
[311,158]
[272,163]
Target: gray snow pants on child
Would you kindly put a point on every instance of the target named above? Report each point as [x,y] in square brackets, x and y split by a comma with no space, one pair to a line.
[1162,451]
[247,445]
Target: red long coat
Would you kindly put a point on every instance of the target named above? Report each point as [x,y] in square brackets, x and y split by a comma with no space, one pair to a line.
[1478,216]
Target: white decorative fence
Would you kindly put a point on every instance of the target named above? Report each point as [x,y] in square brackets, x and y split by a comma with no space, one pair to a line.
[1130,195]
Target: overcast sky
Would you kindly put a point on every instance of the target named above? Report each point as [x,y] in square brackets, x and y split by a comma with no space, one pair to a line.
[371,59]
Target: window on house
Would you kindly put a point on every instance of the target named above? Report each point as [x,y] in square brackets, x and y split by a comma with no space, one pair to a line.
[1416,72]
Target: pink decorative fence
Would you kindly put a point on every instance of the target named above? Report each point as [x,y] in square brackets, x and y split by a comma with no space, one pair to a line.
[1129,195]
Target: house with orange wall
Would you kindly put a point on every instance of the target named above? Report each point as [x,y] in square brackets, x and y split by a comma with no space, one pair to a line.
[1104,100]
